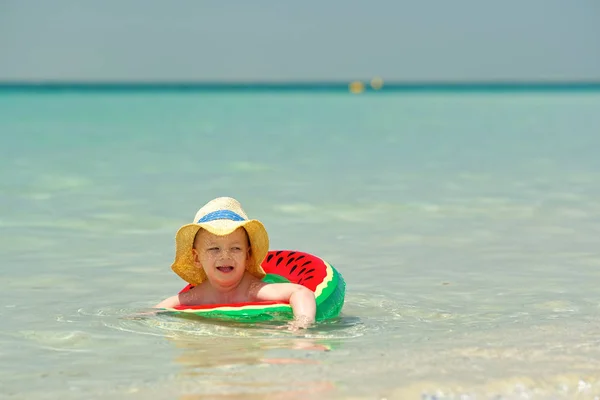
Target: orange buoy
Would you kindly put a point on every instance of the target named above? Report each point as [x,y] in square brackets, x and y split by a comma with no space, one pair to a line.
[356,87]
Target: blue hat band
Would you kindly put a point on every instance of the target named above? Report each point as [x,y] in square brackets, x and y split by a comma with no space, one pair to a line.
[221,214]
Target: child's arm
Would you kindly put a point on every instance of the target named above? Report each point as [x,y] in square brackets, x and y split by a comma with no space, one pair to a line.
[300,298]
[169,303]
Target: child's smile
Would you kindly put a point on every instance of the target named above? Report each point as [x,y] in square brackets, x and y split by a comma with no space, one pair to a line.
[225,269]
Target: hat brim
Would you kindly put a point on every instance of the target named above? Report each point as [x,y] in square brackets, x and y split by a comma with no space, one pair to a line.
[184,265]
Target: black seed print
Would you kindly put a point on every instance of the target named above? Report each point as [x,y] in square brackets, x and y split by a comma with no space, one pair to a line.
[269,257]
[306,263]
[293,268]
[307,278]
[299,258]
[289,261]
[278,261]
[301,271]
[291,253]
[278,253]
[310,270]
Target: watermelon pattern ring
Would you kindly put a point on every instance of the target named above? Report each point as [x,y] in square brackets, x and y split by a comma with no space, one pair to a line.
[281,266]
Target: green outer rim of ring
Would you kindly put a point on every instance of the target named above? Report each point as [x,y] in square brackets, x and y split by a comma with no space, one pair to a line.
[331,300]
[283,311]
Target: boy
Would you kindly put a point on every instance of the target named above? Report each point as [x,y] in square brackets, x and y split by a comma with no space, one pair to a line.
[221,255]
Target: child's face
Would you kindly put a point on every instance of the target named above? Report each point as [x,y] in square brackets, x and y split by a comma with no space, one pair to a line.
[222,257]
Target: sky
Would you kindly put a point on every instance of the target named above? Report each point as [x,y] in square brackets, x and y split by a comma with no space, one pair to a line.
[309,40]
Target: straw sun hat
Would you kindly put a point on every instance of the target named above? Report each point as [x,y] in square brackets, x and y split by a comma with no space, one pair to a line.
[220,216]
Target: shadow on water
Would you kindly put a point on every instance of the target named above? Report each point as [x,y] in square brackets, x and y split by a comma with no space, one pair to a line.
[229,359]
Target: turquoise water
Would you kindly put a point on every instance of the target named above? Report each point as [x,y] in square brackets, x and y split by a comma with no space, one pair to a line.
[465,225]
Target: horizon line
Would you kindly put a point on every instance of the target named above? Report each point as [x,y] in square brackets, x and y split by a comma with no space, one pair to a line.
[354,86]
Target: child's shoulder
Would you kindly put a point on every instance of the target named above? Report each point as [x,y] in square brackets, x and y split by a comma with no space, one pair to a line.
[194,296]
[253,286]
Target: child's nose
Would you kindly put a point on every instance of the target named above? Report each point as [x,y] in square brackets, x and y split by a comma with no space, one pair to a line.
[225,253]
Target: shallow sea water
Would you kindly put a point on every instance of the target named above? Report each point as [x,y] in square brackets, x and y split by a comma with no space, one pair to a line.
[465,225]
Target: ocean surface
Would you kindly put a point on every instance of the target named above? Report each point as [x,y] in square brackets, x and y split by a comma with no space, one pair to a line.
[466,226]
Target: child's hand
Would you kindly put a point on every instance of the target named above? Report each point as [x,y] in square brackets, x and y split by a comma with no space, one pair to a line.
[302,322]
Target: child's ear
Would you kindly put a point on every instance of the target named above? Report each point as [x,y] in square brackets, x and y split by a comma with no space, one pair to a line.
[196,258]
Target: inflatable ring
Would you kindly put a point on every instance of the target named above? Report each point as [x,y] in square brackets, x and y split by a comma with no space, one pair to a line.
[281,266]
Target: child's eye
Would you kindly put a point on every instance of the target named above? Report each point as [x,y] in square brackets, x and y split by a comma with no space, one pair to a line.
[213,249]
[236,248]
